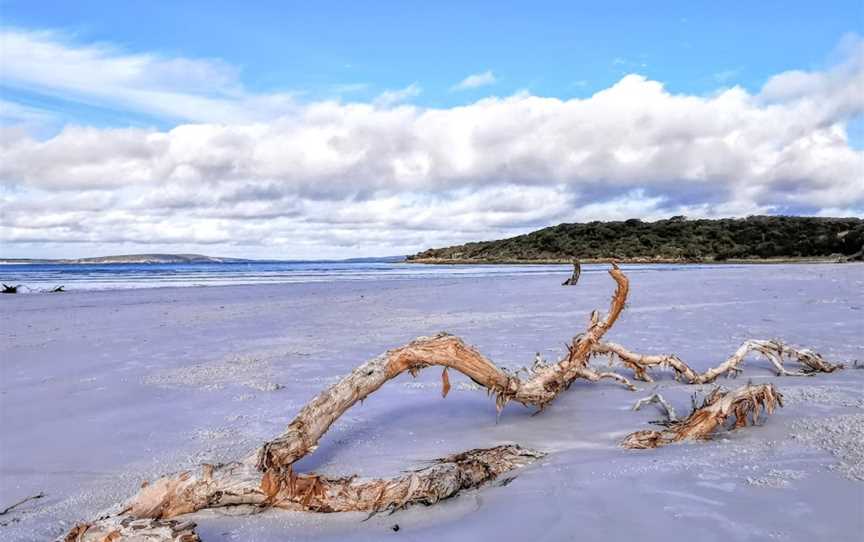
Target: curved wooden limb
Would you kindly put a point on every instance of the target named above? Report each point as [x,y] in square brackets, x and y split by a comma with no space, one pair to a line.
[774,351]
[543,385]
[746,401]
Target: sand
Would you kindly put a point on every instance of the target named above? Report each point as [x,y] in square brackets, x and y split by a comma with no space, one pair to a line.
[101,390]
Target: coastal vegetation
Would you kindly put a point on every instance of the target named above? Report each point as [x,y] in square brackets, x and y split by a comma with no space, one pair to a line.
[673,239]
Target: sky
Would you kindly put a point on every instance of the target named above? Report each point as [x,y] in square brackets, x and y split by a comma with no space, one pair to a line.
[328,129]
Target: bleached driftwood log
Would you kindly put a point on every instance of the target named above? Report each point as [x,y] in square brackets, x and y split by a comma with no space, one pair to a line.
[240,483]
[266,478]
[773,351]
[742,403]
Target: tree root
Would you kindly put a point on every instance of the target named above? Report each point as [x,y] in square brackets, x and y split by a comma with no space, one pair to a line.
[774,351]
[718,406]
[266,478]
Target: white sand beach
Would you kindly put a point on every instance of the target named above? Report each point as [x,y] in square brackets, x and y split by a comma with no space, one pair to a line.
[101,390]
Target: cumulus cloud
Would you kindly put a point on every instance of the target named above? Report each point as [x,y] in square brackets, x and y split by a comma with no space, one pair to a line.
[334,179]
[476,80]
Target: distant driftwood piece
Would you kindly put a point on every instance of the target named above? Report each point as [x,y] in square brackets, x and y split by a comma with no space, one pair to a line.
[7,289]
[266,478]
[22,501]
[774,351]
[58,289]
[741,404]
[574,278]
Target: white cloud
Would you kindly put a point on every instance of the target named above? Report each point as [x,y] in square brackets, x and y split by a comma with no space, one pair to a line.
[178,88]
[476,80]
[334,179]
[392,97]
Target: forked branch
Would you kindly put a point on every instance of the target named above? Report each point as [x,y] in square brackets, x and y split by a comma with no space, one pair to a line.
[741,405]
[774,351]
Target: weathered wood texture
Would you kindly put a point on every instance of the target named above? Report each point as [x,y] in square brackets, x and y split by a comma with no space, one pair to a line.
[773,351]
[741,404]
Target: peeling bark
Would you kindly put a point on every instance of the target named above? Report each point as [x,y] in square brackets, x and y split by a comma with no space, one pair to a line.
[741,404]
[117,528]
[773,351]
[240,483]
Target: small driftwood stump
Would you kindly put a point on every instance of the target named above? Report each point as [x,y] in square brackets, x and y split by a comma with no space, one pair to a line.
[574,278]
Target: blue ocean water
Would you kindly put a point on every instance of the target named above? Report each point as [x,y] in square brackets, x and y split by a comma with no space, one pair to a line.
[42,277]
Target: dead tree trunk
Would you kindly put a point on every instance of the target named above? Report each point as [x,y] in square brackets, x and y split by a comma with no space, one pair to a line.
[574,278]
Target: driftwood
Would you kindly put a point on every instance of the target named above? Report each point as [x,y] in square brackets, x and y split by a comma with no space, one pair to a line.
[266,478]
[22,501]
[671,416]
[774,351]
[574,278]
[7,289]
[741,404]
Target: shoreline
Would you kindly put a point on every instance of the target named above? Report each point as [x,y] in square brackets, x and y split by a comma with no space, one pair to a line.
[672,261]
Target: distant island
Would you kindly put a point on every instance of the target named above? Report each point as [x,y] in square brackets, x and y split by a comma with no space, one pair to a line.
[677,239]
[127,258]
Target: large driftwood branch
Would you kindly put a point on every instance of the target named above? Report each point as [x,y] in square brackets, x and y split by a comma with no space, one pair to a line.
[543,385]
[238,484]
[720,405]
[773,351]
[266,478]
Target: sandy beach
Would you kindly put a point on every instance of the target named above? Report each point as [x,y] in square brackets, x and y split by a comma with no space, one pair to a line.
[101,390]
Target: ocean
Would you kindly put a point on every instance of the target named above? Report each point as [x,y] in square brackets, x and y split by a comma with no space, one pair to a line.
[43,277]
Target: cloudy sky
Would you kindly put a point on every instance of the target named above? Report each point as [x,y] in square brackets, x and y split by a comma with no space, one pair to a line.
[342,129]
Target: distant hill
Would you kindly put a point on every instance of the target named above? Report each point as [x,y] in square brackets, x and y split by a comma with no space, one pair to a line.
[129,258]
[674,240]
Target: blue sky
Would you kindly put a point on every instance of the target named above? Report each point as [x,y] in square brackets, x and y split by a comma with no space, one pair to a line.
[154,67]
[355,50]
